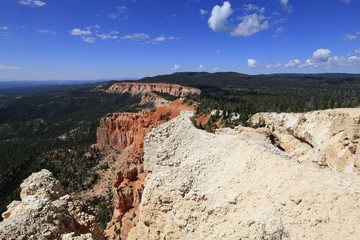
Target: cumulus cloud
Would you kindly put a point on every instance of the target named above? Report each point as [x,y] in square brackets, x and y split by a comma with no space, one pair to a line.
[322,58]
[347,1]
[32,3]
[219,15]
[342,61]
[8,67]
[202,68]
[357,51]
[251,63]
[215,68]
[217,52]
[286,6]
[136,36]
[79,32]
[250,25]
[292,63]
[321,55]
[88,39]
[176,67]
[4,28]
[274,65]
[121,12]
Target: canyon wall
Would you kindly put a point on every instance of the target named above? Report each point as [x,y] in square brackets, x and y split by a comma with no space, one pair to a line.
[236,184]
[124,133]
[328,138]
[136,88]
[45,212]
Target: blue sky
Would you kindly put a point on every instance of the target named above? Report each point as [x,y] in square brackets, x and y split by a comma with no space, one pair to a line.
[113,39]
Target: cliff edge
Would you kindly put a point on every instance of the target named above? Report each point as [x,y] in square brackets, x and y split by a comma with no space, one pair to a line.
[236,184]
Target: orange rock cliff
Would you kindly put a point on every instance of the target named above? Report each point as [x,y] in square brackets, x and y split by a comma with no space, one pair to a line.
[125,132]
[136,88]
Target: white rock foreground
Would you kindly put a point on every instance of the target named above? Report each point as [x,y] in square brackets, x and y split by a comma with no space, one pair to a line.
[45,212]
[236,185]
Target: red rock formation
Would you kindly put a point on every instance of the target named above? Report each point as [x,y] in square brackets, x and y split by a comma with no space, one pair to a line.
[125,132]
[136,87]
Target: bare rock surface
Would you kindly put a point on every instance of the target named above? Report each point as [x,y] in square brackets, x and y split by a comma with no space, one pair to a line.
[236,184]
[45,212]
[326,138]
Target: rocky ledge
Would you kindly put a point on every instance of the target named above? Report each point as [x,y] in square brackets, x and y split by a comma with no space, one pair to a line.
[236,184]
[45,212]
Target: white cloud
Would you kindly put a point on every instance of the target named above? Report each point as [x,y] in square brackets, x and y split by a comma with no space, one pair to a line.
[79,32]
[321,55]
[217,52]
[321,58]
[136,36]
[8,67]
[357,51]
[4,28]
[274,65]
[202,68]
[251,63]
[120,13]
[342,61]
[105,36]
[215,68]
[32,3]
[88,39]
[173,38]
[160,39]
[250,25]
[286,6]
[292,63]
[218,19]
[203,12]
[176,67]
[350,37]
[347,1]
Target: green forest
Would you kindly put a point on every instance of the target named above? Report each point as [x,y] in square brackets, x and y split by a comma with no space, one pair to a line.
[53,129]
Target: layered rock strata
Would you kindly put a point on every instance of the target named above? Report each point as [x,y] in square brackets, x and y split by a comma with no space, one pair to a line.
[45,212]
[136,88]
[329,138]
[125,133]
[236,184]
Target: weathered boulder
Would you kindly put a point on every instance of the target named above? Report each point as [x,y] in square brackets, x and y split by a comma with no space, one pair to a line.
[45,212]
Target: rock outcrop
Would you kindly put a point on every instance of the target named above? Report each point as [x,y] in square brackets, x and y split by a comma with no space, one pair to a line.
[45,212]
[137,87]
[326,138]
[125,133]
[236,184]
